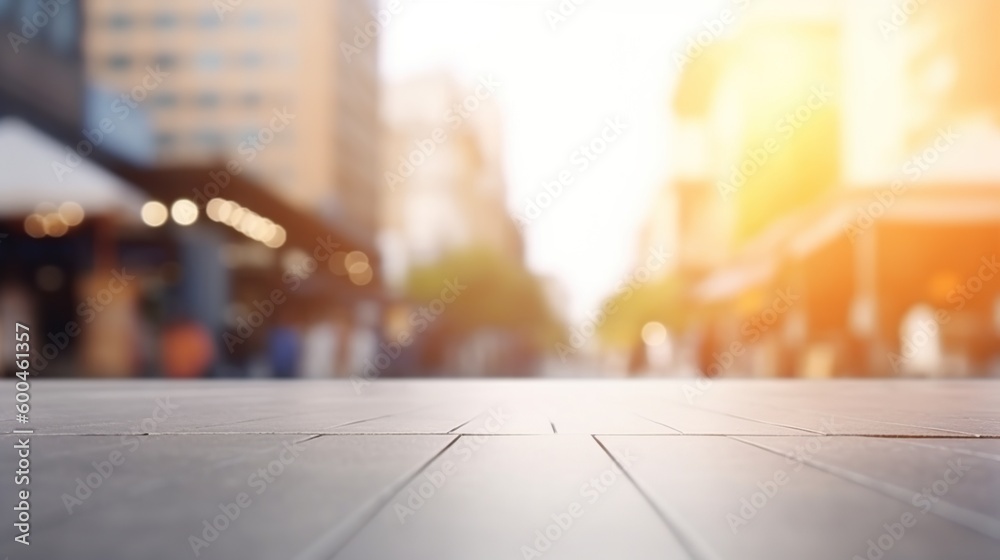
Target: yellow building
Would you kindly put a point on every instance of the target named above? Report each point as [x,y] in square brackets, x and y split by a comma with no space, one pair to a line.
[289,89]
[837,187]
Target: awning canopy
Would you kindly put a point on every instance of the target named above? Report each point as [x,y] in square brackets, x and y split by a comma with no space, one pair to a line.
[306,231]
[732,281]
[848,211]
[36,170]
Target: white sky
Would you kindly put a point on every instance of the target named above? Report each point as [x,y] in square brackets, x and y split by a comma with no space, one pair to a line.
[610,58]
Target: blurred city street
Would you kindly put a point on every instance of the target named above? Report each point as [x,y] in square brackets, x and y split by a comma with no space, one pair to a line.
[503,469]
[475,279]
[396,189]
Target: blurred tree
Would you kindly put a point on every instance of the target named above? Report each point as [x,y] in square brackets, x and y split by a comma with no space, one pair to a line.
[499,294]
[628,310]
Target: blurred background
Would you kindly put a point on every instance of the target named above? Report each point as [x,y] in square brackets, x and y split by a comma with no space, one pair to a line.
[366,189]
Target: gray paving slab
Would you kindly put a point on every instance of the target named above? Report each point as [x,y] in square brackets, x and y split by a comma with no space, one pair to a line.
[521,454]
[166,488]
[732,500]
[936,480]
[557,496]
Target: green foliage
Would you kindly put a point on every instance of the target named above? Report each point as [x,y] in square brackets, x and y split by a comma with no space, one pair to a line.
[500,294]
[629,309]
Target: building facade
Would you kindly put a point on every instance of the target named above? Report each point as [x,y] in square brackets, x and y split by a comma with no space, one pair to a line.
[443,181]
[290,89]
[264,115]
[836,189]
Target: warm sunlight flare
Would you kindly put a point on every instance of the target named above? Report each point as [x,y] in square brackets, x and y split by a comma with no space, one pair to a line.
[475,279]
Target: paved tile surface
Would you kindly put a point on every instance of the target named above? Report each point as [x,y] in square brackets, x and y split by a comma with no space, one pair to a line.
[476,469]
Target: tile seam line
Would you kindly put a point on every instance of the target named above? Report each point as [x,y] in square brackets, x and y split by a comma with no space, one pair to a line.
[686,538]
[665,425]
[683,434]
[328,545]
[963,517]
[892,423]
[765,422]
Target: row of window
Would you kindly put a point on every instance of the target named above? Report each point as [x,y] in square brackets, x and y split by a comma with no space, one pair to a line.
[205,61]
[207,99]
[213,140]
[208,19]
[56,24]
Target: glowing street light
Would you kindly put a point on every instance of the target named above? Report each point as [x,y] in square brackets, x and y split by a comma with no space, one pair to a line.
[71,213]
[184,212]
[154,214]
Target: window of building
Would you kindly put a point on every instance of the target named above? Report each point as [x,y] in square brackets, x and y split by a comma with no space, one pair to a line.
[119,22]
[165,20]
[165,140]
[249,134]
[63,32]
[251,99]
[164,99]
[253,18]
[28,9]
[165,61]
[251,59]
[208,139]
[209,19]
[209,61]
[207,99]
[119,62]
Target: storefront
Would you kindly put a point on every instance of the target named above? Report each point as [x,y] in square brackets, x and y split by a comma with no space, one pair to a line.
[106,261]
[880,285]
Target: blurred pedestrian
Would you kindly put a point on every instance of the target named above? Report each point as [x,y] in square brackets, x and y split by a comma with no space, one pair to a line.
[319,350]
[186,349]
[284,348]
